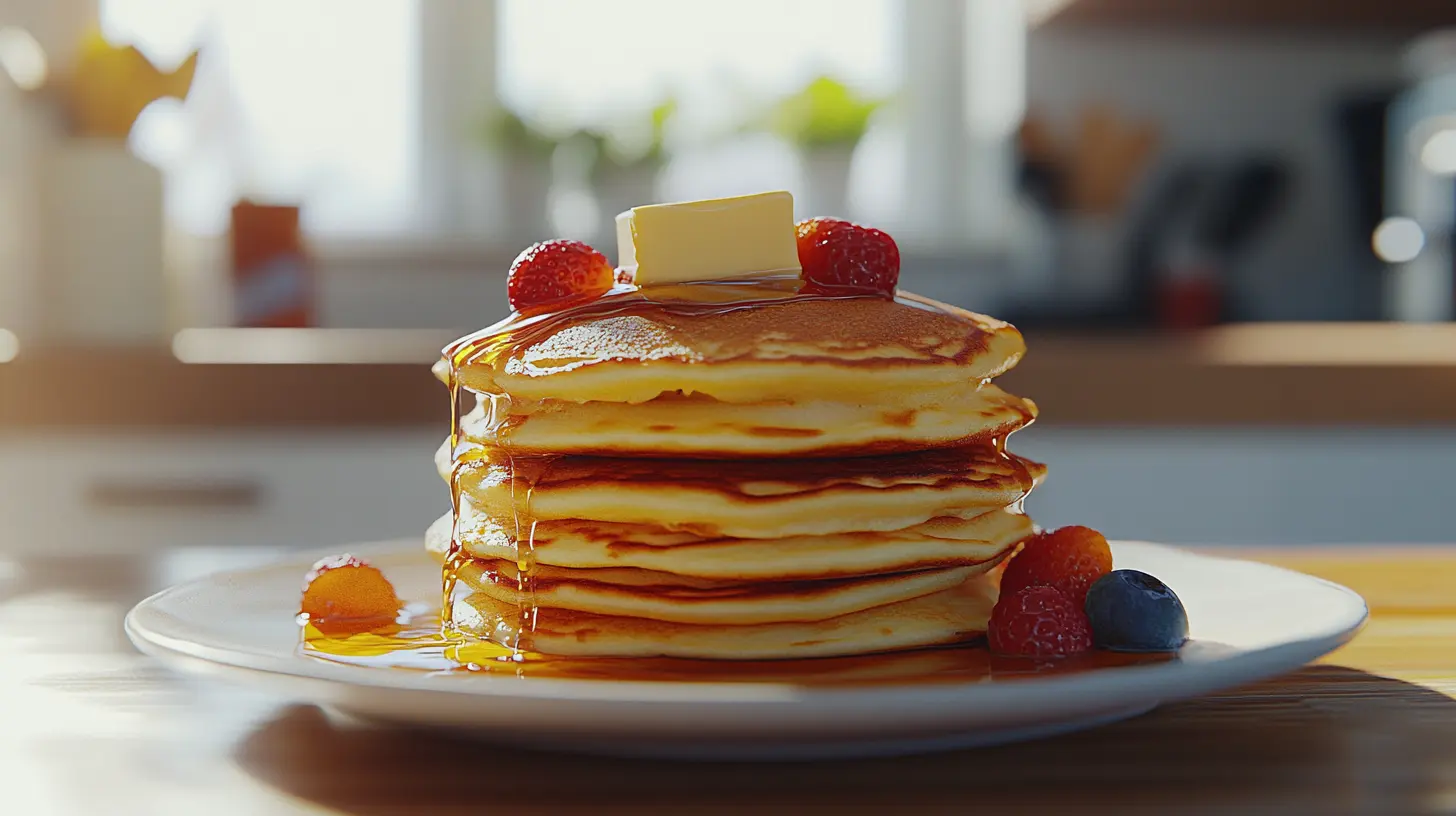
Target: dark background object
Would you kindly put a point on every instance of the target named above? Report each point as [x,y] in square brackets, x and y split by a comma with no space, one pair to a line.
[1168,204]
[1360,130]
[1205,213]
[1245,200]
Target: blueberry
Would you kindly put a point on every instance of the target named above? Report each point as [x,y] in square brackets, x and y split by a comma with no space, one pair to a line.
[1132,611]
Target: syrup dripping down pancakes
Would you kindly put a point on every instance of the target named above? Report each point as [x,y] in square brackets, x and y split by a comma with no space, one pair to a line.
[731,471]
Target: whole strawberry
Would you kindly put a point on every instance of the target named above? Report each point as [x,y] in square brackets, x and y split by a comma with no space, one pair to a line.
[1038,621]
[557,273]
[839,257]
[1069,558]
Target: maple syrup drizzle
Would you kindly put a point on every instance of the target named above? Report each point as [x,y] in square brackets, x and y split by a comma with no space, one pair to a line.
[522,473]
[452,554]
[455,555]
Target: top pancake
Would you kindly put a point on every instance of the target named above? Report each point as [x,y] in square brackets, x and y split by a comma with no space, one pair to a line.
[743,343]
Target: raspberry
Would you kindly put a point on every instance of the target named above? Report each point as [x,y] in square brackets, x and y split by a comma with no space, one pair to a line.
[838,257]
[1070,559]
[1038,621]
[344,593]
[557,273]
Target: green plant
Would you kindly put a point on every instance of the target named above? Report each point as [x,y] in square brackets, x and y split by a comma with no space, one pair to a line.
[636,142]
[825,113]
[510,133]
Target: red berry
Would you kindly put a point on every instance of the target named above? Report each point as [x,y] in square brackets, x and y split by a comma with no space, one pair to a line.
[344,593]
[1070,559]
[1038,621]
[557,273]
[840,257]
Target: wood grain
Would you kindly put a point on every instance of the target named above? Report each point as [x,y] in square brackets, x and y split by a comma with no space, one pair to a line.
[90,727]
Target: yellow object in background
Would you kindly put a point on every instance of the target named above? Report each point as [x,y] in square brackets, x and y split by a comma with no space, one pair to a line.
[110,86]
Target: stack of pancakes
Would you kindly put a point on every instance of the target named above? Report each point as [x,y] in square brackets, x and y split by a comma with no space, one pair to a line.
[774,477]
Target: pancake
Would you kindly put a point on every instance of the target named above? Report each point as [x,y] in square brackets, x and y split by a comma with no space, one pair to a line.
[626,592]
[748,498]
[700,426]
[760,342]
[942,542]
[952,615]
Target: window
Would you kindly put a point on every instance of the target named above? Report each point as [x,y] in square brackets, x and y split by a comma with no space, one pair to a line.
[592,59]
[309,101]
[367,112]
[591,63]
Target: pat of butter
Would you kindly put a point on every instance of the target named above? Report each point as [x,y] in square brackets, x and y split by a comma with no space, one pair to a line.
[718,239]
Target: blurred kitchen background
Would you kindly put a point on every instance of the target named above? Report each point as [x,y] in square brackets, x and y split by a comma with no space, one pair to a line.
[234,233]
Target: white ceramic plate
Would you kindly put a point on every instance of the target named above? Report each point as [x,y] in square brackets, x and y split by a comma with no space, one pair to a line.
[1248,621]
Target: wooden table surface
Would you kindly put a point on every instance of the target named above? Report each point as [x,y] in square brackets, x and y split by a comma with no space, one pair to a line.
[88,726]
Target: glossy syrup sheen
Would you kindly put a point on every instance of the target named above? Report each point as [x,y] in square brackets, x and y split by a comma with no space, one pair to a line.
[434,642]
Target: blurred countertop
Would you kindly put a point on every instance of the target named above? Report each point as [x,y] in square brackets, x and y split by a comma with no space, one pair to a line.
[1370,374]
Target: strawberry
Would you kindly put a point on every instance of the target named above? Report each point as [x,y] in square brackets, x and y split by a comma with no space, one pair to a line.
[345,592]
[1038,621]
[557,273]
[1070,559]
[838,257]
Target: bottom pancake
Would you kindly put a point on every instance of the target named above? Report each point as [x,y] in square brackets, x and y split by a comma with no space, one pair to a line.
[950,616]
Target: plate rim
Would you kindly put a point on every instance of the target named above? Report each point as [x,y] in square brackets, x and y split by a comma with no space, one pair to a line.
[1119,683]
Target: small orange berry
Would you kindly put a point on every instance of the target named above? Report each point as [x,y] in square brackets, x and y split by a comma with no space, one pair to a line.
[345,592]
